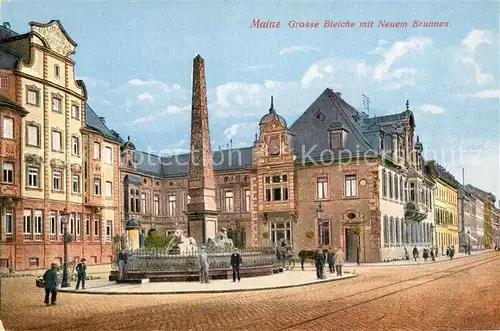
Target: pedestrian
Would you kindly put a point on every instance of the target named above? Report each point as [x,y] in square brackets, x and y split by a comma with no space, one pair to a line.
[235,264]
[433,256]
[51,283]
[121,265]
[425,254]
[330,259]
[415,253]
[339,261]
[452,252]
[319,262]
[81,273]
[204,278]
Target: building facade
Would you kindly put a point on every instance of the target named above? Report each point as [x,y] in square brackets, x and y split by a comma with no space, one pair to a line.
[51,144]
[446,209]
[484,217]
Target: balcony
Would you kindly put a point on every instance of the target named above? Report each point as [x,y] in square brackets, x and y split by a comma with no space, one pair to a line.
[415,212]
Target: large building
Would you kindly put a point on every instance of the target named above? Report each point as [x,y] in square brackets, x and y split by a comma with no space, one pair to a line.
[485,213]
[366,173]
[49,133]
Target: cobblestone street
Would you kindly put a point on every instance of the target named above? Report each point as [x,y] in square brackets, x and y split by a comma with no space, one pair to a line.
[457,294]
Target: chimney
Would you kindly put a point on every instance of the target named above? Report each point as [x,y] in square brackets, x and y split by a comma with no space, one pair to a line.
[103,119]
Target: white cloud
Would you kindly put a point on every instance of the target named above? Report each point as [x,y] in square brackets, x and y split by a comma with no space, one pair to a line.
[299,49]
[145,96]
[181,147]
[433,109]
[332,72]
[396,51]
[93,82]
[311,74]
[153,83]
[257,67]
[485,94]
[468,52]
[233,130]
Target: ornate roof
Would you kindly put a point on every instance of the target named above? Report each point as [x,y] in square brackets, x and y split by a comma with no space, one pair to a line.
[272,116]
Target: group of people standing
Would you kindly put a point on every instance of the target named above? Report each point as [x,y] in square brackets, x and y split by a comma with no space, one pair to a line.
[51,280]
[334,259]
[204,264]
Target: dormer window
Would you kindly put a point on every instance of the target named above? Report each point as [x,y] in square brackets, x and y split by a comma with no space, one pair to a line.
[274,146]
[336,140]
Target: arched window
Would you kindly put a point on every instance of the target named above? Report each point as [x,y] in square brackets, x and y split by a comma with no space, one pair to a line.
[56,71]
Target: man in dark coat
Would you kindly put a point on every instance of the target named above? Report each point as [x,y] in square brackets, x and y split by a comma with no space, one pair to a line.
[81,273]
[235,264]
[319,262]
[330,260]
[415,253]
[51,282]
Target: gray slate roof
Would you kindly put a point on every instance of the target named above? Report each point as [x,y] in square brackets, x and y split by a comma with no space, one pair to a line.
[93,121]
[8,60]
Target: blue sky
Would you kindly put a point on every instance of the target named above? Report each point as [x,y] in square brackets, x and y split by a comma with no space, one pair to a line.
[136,58]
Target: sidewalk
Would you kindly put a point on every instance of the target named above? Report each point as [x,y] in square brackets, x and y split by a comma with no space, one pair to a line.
[281,280]
[412,262]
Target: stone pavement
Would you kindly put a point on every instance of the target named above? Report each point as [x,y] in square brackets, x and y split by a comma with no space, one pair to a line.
[286,279]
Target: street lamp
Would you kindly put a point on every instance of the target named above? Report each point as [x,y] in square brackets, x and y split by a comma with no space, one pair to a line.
[64,221]
[468,241]
[432,243]
[319,214]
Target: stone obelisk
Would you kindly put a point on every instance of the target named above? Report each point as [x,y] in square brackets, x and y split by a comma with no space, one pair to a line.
[202,208]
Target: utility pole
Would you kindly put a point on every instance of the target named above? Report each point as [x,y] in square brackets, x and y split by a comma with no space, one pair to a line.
[462,213]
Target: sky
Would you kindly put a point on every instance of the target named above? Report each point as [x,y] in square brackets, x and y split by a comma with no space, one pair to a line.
[136,61]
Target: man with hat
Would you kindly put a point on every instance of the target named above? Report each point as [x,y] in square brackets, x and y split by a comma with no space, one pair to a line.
[81,273]
[235,264]
[204,278]
[51,282]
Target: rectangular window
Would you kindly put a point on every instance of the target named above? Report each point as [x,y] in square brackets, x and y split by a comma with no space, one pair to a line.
[156,203]
[109,230]
[322,187]
[324,232]
[281,230]
[32,97]
[78,224]
[9,224]
[33,132]
[229,201]
[56,180]
[171,205]
[350,186]
[87,227]
[108,155]
[53,223]
[335,141]
[75,111]
[8,128]
[27,226]
[56,141]
[97,186]
[38,224]
[96,228]
[97,151]
[248,200]
[8,172]
[3,82]
[75,146]
[276,188]
[75,183]
[56,104]
[143,202]
[32,177]
[108,189]
[61,225]
[72,223]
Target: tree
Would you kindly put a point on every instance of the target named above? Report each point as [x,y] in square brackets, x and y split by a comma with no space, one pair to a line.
[154,240]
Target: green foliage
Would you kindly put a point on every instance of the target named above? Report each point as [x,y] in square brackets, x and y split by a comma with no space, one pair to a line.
[155,240]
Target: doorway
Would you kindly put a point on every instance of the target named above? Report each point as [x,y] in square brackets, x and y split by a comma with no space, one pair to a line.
[351,245]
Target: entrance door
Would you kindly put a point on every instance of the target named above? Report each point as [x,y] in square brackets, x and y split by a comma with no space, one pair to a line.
[351,241]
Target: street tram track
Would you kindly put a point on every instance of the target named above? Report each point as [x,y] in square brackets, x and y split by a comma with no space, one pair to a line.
[446,273]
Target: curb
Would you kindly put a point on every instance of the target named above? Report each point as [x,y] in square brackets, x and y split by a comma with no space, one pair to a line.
[212,291]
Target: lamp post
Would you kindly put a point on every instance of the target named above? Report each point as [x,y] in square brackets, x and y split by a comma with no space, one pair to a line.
[319,214]
[468,242]
[64,221]
[432,243]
